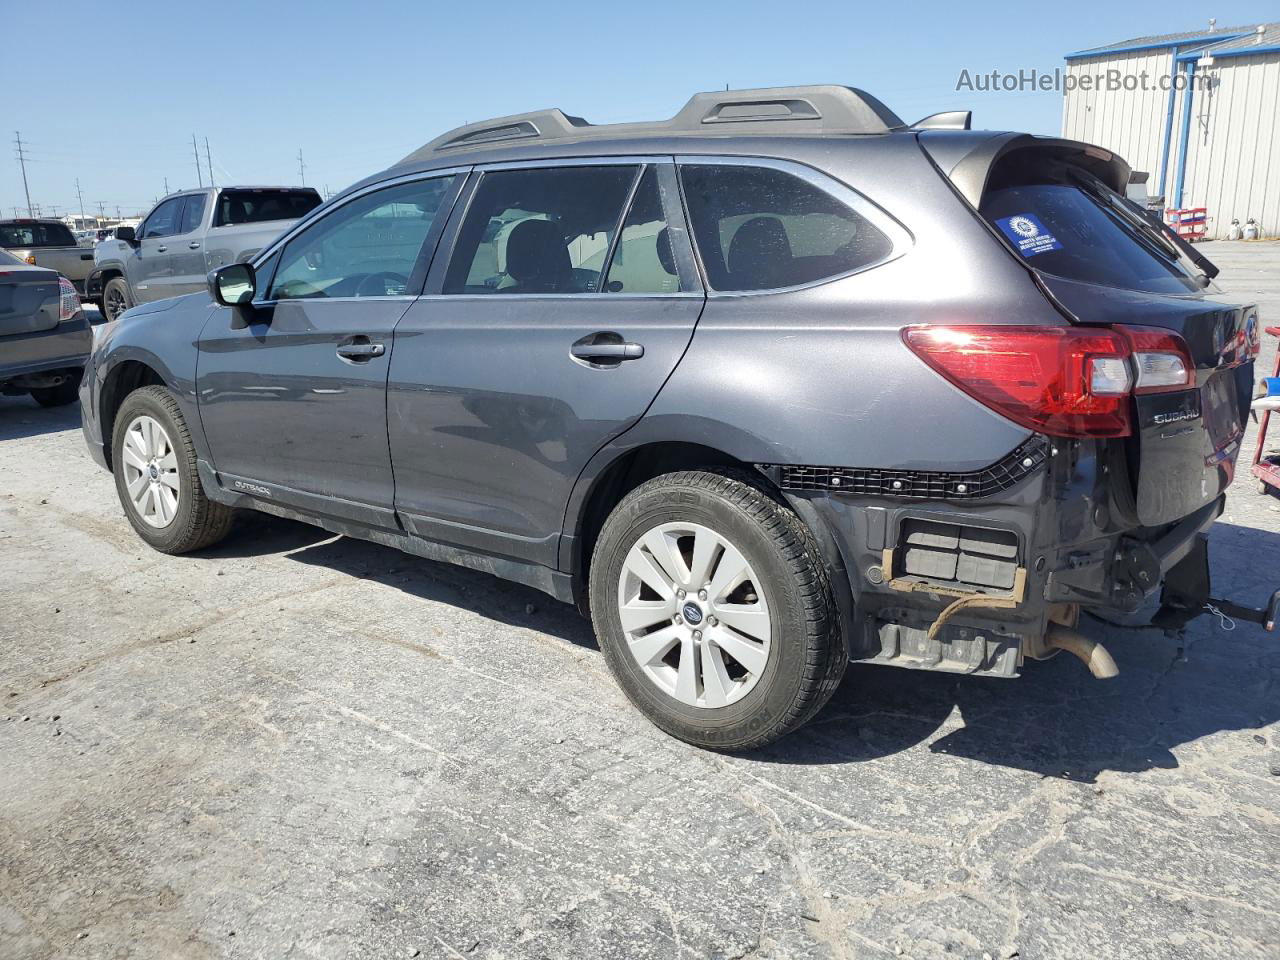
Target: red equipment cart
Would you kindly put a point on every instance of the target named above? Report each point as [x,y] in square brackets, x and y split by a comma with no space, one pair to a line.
[1267,467]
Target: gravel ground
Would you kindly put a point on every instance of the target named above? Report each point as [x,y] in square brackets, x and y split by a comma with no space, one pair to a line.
[299,746]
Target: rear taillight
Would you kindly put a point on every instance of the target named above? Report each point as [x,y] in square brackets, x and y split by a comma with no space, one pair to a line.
[1161,361]
[68,300]
[1063,381]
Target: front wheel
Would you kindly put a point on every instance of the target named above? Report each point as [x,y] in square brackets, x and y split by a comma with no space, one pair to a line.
[115,298]
[156,477]
[713,610]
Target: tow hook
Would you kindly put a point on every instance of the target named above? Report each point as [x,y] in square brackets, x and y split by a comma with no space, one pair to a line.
[1265,616]
[1093,654]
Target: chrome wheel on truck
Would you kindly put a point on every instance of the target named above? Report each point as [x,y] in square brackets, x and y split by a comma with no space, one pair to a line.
[711,603]
[693,614]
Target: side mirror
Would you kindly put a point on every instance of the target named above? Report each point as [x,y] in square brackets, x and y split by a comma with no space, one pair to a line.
[126,234]
[233,285]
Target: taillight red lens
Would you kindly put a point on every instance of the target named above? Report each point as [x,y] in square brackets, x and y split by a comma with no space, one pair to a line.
[1062,381]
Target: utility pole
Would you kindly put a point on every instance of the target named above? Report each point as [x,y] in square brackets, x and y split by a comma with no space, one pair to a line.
[166,186]
[54,208]
[208,160]
[302,168]
[102,209]
[117,211]
[196,151]
[80,197]
[22,162]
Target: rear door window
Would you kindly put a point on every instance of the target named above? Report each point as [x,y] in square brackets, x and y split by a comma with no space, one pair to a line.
[20,235]
[259,206]
[192,212]
[762,228]
[542,230]
[1077,230]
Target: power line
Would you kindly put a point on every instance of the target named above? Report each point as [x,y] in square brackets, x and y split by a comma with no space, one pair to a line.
[22,162]
[196,151]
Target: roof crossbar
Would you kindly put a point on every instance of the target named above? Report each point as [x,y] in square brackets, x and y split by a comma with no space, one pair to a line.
[827,108]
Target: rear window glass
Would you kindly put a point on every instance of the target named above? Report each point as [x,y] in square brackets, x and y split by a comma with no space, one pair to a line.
[36,235]
[758,228]
[258,206]
[1084,234]
[8,259]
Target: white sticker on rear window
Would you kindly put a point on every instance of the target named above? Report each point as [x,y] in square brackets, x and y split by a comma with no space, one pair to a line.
[1028,234]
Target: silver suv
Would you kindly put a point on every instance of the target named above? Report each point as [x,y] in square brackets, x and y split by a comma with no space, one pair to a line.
[775,385]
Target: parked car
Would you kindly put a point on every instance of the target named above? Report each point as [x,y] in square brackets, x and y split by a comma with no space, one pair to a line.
[44,335]
[48,243]
[185,236]
[774,385]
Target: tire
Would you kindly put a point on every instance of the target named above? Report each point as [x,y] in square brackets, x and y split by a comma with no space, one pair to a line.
[115,299]
[64,393]
[768,694]
[188,520]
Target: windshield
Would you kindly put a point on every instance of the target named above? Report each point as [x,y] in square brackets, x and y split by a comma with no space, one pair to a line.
[36,234]
[1078,229]
[258,206]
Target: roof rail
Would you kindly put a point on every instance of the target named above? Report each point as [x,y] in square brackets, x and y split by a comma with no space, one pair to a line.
[826,108]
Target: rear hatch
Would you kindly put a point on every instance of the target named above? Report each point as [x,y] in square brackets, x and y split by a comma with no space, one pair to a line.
[1059,207]
[28,298]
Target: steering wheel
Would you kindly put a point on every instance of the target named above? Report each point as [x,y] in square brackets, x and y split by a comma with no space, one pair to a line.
[386,277]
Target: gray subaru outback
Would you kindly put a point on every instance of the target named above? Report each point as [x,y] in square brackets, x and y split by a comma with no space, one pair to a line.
[775,385]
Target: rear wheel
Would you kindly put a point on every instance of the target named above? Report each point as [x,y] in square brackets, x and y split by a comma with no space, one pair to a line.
[115,298]
[156,477]
[713,610]
[64,393]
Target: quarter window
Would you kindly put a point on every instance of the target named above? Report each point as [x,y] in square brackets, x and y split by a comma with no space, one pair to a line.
[759,228]
[365,248]
[643,261]
[545,230]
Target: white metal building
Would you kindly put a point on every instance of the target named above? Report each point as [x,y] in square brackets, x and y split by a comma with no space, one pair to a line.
[1199,111]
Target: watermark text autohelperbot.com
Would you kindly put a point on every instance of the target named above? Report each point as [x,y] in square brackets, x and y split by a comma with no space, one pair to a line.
[1109,80]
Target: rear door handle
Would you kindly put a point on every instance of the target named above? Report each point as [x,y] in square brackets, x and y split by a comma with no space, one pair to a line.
[607,352]
[193,245]
[361,350]
[161,249]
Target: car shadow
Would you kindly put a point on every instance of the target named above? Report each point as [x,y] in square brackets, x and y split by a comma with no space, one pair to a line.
[1055,720]
[22,417]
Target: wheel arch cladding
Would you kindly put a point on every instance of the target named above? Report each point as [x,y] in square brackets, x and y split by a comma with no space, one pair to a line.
[121,380]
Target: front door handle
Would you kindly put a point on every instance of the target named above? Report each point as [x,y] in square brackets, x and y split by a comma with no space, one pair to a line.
[606,348]
[193,245]
[360,350]
[161,249]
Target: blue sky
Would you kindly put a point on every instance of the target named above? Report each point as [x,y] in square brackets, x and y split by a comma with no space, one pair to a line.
[112,94]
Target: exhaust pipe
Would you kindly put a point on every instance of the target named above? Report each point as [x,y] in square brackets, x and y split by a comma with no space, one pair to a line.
[1093,654]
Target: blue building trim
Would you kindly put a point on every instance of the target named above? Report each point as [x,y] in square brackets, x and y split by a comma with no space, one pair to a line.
[1233,52]
[1157,45]
[1188,94]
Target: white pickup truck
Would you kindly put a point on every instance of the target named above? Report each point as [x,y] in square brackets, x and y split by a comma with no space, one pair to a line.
[185,236]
